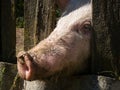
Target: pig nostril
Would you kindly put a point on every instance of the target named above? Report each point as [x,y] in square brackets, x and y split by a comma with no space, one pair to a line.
[21,59]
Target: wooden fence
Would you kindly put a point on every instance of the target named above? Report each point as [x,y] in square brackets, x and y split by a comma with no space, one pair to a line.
[39,22]
[7,31]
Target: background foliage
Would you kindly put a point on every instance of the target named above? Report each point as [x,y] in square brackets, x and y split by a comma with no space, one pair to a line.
[19,13]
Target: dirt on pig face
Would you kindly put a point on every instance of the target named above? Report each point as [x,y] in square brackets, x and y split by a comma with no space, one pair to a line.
[65,50]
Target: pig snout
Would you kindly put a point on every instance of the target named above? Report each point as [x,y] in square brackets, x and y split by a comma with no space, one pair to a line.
[25,65]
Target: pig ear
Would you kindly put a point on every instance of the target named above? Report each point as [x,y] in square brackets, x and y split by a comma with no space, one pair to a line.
[25,67]
[62,4]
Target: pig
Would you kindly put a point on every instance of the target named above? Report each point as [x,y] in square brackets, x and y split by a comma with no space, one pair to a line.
[66,51]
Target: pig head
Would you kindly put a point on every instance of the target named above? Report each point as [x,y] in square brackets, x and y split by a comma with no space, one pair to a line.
[66,50]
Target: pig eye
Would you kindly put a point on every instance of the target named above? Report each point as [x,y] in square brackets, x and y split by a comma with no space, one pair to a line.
[87,26]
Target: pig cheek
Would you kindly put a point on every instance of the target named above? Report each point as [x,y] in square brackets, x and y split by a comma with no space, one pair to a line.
[47,61]
[51,62]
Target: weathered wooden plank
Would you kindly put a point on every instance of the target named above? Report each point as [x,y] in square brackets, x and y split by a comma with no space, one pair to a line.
[39,20]
[9,80]
[90,82]
[8,31]
[29,18]
[106,21]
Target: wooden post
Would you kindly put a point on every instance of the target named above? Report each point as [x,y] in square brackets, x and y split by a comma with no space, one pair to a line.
[106,22]
[8,31]
[39,20]
[29,18]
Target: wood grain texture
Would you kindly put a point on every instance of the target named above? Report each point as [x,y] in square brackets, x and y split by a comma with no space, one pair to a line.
[106,22]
